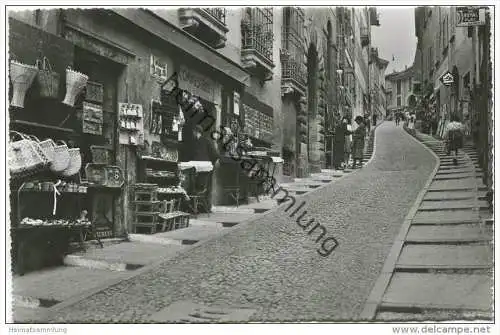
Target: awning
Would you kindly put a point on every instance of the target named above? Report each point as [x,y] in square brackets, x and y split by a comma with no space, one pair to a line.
[151,22]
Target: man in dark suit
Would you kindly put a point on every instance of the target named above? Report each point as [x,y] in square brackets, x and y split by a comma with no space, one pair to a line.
[202,149]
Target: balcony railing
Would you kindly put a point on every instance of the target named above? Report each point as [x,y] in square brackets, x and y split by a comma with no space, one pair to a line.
[255,37]
[218,13]
[207,24]
[257,31]
[291,70]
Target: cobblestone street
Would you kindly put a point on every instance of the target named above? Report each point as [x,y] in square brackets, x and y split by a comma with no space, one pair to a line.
[272,266]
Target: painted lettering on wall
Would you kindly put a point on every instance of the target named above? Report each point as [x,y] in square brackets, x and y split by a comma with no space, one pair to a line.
[199,85]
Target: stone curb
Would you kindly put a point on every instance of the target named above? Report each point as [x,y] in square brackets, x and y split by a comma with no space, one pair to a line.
[52,311]
[370,310]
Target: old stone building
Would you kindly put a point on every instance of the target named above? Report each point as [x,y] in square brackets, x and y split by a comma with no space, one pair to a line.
[400,90]
[278,77]
[448,44]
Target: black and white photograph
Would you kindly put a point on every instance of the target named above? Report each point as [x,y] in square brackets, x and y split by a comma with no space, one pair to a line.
[281,163]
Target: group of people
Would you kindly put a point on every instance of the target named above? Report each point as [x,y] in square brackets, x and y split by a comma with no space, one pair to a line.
[349,142]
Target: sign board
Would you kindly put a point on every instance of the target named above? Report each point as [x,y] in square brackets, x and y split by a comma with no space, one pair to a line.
[447,79]
[158,69]
[470,16]
[199,84]
[92,118]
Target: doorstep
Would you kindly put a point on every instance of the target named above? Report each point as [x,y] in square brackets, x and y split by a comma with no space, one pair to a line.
[124,256]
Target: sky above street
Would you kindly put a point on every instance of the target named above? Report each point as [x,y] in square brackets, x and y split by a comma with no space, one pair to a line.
[395,36]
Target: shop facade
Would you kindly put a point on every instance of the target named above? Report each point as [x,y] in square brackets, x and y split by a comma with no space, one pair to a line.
[124,122]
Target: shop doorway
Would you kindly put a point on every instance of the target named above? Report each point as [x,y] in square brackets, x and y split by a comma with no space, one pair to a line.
[105,205]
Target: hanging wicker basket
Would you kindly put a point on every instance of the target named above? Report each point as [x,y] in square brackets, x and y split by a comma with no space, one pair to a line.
[21,76]
[75,163]
[61,157]
[46,148]
[47,80]
[75,82]
[24,158]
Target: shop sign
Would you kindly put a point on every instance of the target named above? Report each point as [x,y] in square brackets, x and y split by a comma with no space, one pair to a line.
[158,68]
[198,84]
[447,79]
[470,16]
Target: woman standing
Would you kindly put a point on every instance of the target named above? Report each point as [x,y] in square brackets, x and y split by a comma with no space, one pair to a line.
[358,142]
[454,136]
[339,144]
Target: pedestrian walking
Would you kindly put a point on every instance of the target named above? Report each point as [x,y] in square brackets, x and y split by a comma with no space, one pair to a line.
[339,144]
[374,120]
[411,125]
[358,141]
[367,125]
[348,143]
[454,137]
[398,119]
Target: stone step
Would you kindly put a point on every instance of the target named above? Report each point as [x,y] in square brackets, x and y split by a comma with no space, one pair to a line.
[228,219]
[445,257]
[460,184]
[60,283]
[442,315]
[124,256]
[192,234]
[445,217]
[453,195]
[443,167]
[451,176]
[459,170]
[233,209]
[439,291]
[453,204]
[448,234]
[21,314]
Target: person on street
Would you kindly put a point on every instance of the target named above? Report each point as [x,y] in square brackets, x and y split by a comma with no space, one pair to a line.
[367,125]
[374,120]
[339,144]
[358,142]
[454,136]
[398,119]
[203,150]
[411,125]
[348,142]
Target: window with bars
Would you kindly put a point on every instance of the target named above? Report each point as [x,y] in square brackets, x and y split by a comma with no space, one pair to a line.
[292,35]
[257,31]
